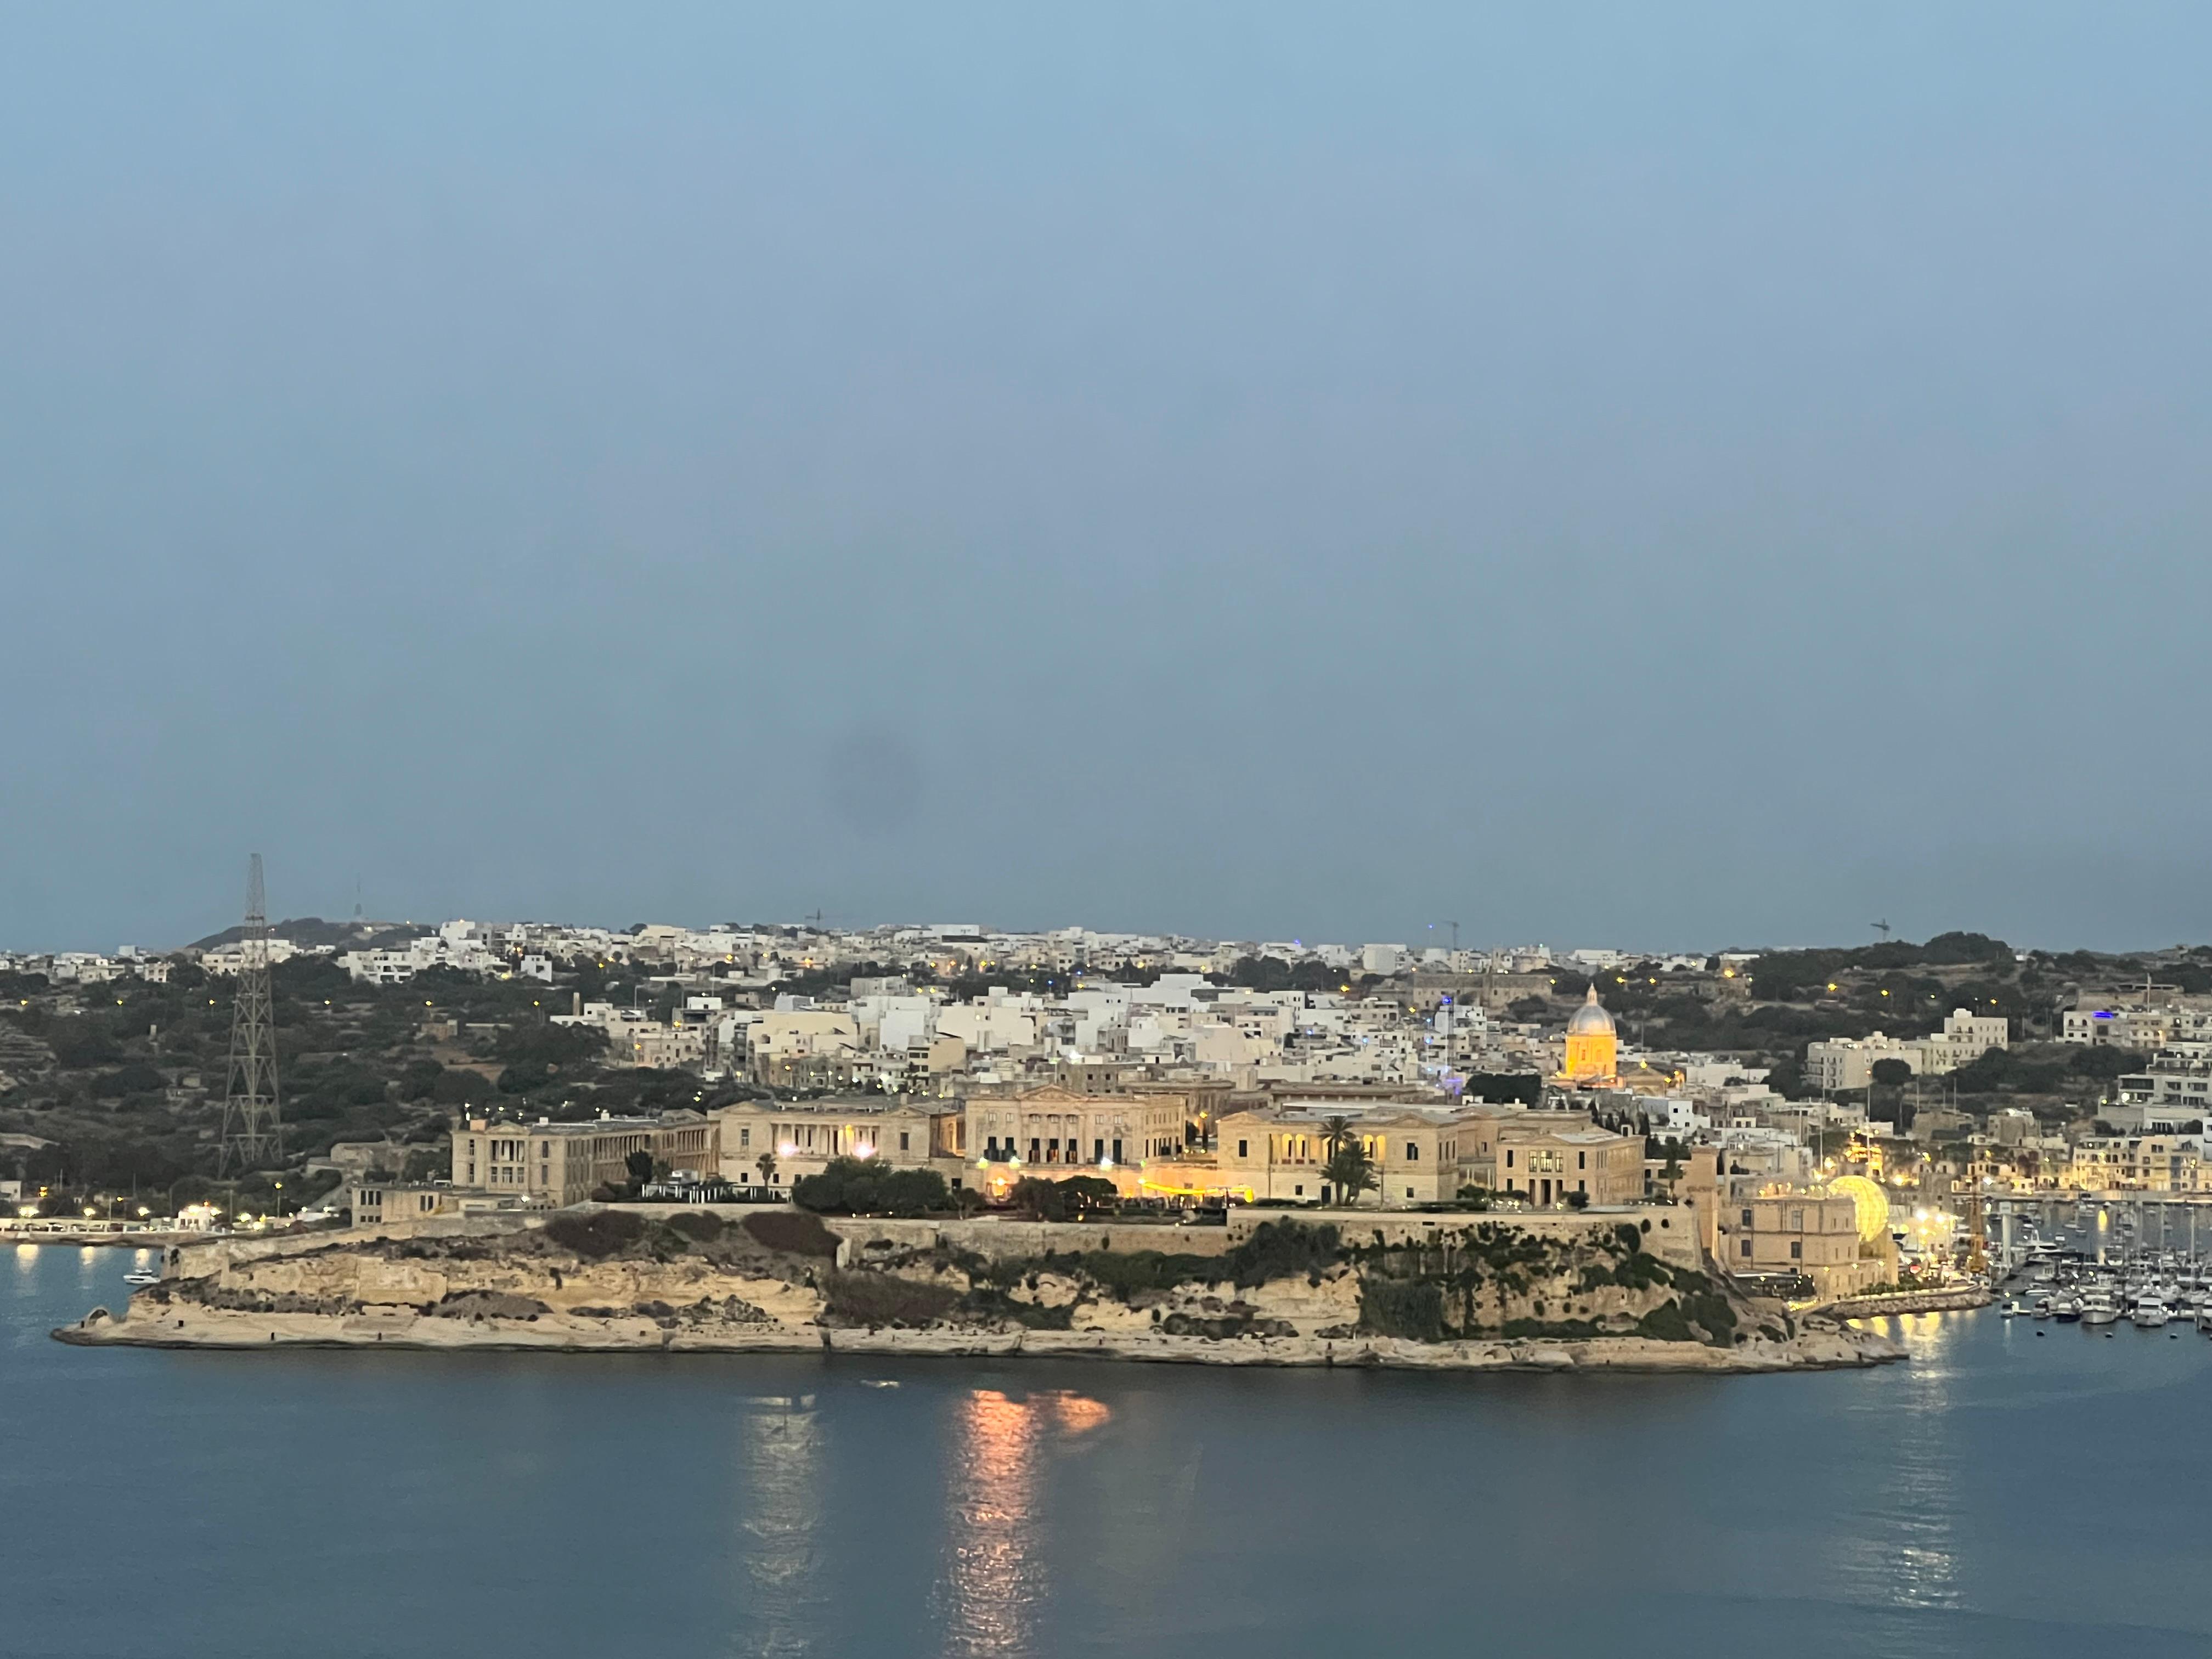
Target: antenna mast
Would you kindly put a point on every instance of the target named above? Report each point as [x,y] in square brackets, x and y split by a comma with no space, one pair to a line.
[253,1130]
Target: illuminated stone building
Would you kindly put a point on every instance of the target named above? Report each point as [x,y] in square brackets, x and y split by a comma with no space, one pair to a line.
[566,1163]
[1593,1050]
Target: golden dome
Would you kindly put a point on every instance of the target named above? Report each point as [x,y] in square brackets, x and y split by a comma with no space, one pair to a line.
[1591,1018]
[1869,1200]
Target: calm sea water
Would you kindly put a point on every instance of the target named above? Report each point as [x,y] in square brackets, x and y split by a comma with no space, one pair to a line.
[2007,1493]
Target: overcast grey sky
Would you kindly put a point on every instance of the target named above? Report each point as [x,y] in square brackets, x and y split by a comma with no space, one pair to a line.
[1612,474]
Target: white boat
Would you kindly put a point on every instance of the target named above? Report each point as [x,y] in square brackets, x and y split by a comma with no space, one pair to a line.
[2013,1307]
[2097,1307]
[2043,1307]
[142,1278]
[2149,1311]
[2066,1309]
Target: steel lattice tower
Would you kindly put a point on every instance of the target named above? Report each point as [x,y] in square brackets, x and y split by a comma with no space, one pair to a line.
[252,1129]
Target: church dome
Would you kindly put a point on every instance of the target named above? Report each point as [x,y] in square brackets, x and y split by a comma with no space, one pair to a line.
[1591,1018]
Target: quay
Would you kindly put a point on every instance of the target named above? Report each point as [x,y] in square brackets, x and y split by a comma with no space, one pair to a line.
[1911,1302]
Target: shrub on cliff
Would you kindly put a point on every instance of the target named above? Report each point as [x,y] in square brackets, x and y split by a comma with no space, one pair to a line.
[860,1186]
[874,1298]
[1411,1308]
[792,1232]
[700,1226]
[1129,1274]
[1282,1249]
[597,1236]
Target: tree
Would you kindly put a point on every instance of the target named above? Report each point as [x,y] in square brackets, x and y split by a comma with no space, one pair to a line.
[864,1186]
[1038,1199]
[2101,1061]
[1499,1088]
[1349,1170]
[766,1165]
[639,1165]
[549,1045]
[1891,1073]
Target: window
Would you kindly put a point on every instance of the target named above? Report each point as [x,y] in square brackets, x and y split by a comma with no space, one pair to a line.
[1412,1155]
[1747,1218]
[1297,1192]
[1409,1192]
[1509,1157]
[1034,1145]
[745,1137]
[1582,1160]
[1743,1247]
[1117,1150]
[1244,1148]
[905,1143]
[1797,1249]
[1097,1151]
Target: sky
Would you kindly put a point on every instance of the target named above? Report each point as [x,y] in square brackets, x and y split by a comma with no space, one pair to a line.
[1662,477]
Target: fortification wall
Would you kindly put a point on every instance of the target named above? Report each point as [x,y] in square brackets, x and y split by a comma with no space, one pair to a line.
[1668,1231]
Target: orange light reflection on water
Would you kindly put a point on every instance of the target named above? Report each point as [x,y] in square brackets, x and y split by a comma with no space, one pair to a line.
[995,1576]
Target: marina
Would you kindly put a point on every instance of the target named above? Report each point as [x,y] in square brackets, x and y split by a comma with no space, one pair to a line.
[2101,1262]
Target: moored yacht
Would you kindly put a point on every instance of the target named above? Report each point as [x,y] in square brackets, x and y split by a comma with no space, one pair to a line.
[2097,1307]
[2150,1311]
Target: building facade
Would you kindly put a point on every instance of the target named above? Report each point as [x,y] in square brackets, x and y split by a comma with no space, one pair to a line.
[775,1143]
[1811,1233]
[565,1164]
[1428,1154]
[1050,1126]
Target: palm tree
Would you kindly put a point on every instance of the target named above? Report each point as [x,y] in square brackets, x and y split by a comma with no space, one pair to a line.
[766,1163]
[1348,1170]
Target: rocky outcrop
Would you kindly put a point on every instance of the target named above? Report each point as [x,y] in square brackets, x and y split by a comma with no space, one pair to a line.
[1290,1296]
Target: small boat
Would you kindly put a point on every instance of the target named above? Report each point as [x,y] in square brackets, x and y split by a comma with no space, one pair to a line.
[2067,1310]
[141,1277]
[2097,1307]
[2043,1307]
[2149,1311]
[2013,1309]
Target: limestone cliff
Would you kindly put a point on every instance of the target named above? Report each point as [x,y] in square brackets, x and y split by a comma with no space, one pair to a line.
[1289,1294]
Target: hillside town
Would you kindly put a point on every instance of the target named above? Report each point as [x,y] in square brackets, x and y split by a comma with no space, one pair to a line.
[468,1067]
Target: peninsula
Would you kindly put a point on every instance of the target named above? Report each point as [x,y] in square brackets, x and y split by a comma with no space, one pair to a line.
[1447,1292]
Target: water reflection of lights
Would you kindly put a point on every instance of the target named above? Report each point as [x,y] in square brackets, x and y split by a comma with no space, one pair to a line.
[996,1579]
[1910,1558]
[780,1452]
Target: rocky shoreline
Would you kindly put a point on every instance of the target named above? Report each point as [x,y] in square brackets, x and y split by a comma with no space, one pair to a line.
[1815,1349]
[1489,1297]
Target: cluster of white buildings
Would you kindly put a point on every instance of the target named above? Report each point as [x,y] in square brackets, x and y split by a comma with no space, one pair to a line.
[1846,1063]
